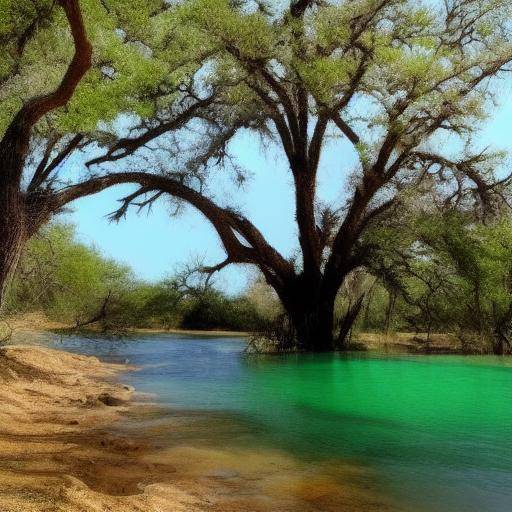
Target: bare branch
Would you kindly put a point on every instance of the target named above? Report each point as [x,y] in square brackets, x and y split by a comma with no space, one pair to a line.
[345,128]
[127,146]
[44,170]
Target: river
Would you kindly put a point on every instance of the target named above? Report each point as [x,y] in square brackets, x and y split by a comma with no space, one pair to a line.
[434,432]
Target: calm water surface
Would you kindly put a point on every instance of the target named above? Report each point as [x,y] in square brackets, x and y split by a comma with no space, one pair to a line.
[436,430]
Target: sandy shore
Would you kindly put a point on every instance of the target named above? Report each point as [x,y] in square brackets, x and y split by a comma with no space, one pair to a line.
[56,451]
[37,322]
[65,447]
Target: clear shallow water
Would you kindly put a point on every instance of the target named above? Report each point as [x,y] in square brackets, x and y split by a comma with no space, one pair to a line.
[436,430]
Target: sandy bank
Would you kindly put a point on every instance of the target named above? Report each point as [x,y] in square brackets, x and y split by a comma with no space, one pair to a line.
[438,343]
[56,449]
[36,323]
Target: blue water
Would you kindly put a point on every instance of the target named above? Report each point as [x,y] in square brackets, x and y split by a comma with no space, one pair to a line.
[435,430]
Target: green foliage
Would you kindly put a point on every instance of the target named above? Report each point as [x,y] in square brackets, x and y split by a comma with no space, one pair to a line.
[431,273]
[74,284]
[65,278]
[451,275]
[124,73]
[250,33]
[404,51]
[213,310]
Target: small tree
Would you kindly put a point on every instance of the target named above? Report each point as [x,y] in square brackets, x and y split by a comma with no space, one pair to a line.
[68,280]
[392,78]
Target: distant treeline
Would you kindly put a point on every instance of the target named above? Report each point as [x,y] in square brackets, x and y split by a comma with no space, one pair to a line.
[75,284]
[429,274]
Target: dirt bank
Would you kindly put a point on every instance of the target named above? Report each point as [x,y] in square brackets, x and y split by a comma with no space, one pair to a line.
[57,452]
[37,323]
[438,343]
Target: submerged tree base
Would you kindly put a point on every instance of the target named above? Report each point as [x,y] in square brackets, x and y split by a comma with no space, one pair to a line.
[400,342]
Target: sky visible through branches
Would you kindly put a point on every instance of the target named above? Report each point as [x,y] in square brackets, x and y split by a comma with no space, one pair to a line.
[155,248]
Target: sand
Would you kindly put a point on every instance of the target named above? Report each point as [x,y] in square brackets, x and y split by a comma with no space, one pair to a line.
[69,441]
[56,453]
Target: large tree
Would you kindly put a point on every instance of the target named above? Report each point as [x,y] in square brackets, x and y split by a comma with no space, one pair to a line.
[68,70]
[402,85]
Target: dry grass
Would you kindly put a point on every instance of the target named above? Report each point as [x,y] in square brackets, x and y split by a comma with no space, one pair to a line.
[437,343]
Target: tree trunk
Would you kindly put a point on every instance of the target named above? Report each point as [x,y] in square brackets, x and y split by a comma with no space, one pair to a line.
[348,322]
[390,309]
[12,236]
[498,346]
[314,329]
[311,318]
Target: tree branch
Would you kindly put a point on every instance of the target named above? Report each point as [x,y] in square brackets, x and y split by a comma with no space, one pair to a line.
[44,170]
[345,128]
[226,222]
[14,144]
[127,146]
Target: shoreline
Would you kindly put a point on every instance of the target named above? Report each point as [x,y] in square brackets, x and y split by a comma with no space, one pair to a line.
[181,332]
[194,332]
[37,322]
[396,342]
[59,448]
[71,439]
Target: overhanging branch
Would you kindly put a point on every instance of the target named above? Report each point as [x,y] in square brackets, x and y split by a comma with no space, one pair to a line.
[230,225]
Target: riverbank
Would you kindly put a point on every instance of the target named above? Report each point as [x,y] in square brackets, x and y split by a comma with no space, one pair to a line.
[58,448]
[69,442]
[413,343]
[33,323]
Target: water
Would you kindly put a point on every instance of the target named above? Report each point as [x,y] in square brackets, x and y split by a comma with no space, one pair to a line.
[435,430]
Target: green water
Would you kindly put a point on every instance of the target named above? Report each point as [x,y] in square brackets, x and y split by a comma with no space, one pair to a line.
[435,430]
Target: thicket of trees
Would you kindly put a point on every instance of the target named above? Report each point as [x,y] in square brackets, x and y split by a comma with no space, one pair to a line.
[76,285]
[155,93]
[445,273]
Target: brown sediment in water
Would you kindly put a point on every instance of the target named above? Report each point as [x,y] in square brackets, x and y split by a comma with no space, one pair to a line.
[64,448]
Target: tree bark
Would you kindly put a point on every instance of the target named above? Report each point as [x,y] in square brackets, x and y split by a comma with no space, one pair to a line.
[313,326]
[13,235]
[19,214]
[311,314]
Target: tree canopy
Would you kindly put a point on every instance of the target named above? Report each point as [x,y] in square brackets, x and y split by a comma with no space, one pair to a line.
[67,68]
[173,84]
[451,274]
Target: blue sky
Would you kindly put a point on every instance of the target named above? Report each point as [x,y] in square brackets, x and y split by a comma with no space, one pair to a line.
[155,244]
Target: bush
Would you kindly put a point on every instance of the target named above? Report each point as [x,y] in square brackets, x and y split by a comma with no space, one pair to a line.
[75,284]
